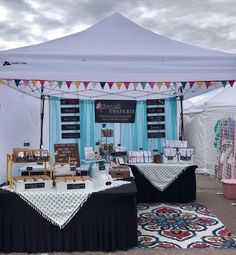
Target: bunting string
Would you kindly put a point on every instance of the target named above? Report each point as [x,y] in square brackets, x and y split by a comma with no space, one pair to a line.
[128,85]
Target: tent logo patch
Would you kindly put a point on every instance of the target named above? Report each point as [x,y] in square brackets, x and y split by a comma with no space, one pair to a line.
[6,63]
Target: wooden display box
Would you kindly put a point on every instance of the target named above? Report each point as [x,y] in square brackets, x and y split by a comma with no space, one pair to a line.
[27,183]
[24,155]
[120,172]
[68,183]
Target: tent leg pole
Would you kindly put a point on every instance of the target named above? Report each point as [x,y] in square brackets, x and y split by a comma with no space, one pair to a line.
[42,118]
[181,119]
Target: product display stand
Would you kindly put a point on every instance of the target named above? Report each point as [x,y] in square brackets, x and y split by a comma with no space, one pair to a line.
[10,160]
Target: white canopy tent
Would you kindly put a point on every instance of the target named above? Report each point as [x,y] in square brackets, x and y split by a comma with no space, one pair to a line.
[115,50]
[200,116]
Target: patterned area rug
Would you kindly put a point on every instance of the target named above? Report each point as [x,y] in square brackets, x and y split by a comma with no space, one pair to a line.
[181,226]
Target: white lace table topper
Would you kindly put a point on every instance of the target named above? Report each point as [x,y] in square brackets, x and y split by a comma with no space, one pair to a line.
[161,175]
[60,207]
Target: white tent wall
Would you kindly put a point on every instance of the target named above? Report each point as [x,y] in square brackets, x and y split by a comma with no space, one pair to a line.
[195,134]
[19,123]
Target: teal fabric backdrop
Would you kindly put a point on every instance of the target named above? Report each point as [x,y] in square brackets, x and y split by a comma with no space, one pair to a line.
[90,132]
[132,135]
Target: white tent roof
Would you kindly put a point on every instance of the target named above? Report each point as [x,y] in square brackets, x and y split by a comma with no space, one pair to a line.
[113,50]
[219,100]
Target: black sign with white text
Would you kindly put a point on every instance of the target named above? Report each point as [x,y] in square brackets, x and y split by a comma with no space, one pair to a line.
[157,135]
[156,118]
[156,110]
[70,110]
[69,101]
[156,126]
[115,111]
[70,135]
[70,118]
[70,127]
[155,102]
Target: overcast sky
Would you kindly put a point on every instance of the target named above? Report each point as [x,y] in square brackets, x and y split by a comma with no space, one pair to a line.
[207,23]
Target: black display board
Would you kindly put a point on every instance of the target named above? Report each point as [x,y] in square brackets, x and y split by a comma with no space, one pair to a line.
[70,127]
[157,135]
[70,110]
[69,101]
[156,110]
[156,118]
[156,102]
[65,152]
[70,119]
[156,126]
[115,111]
[70,135]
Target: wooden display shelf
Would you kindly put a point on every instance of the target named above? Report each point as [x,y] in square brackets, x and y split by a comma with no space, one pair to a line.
[12,159]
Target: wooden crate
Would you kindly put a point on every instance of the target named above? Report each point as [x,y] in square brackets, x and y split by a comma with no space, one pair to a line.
[120,172]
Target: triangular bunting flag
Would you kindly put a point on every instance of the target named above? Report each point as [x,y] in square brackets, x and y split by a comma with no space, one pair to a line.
[77,84]
[110,84]
[86,83]
[135,85]
[183,84]
[34,83]
[231,83]
[68,84]
[51,83]
[191,83]
[159,84]
[126,85]
[94,84]
[60,83]
[167,83]
[8,82]
[208,84]
[151,84]
[42,82]
[102,84]
[199,84]
[143,84]
[224,83]
[119,84]
[26,83]
[17,82]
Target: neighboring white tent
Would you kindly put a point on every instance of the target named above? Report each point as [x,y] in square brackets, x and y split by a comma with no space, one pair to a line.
[116,50]
[200,116]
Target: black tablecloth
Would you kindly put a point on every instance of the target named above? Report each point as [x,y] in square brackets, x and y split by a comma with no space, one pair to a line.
[182,190]
[106,222]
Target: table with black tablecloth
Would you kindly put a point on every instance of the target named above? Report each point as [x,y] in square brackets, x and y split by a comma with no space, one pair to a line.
[181,190]
[106,222]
